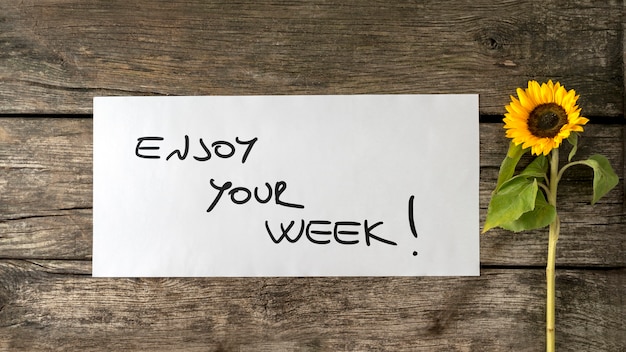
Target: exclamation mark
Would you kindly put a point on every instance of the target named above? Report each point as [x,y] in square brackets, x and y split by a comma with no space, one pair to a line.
[412,220]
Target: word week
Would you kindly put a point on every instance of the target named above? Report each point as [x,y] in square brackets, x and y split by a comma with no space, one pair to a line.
[321,232]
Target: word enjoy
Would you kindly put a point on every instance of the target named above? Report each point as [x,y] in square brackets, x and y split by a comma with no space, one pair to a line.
[221,149]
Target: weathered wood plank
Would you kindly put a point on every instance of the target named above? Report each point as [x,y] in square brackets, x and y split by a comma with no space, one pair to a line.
[502,310]
[45,162]
[55,55]
[46,197]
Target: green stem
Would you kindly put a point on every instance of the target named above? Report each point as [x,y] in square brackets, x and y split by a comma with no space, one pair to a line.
[567,167]
[551,262]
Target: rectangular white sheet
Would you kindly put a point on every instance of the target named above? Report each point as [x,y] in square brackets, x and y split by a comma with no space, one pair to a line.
[359,185]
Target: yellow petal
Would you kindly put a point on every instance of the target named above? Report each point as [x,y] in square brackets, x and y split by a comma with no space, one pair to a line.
[534,90]
[520,110]
[547,94]
[559,94]
[525,101]
[569,100]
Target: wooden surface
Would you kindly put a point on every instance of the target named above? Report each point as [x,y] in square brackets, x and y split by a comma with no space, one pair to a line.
[55,55]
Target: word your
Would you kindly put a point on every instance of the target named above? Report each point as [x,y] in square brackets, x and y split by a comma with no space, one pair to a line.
[241,195]
[321,232]
[221,149]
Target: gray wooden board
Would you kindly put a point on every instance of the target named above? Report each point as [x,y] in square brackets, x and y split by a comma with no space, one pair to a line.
[44,308]
[55,55]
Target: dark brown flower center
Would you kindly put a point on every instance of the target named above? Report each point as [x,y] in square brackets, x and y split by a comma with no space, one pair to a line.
[546,120]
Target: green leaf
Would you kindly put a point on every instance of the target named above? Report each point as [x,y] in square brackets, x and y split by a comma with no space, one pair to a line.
[573,140]
[541,216]
[604,178]
[507,168]
[514,198]
[537,168]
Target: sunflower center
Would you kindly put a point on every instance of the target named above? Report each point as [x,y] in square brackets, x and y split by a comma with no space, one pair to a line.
[546,120]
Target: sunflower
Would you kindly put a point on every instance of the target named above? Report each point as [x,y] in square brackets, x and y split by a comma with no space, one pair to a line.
[542,116]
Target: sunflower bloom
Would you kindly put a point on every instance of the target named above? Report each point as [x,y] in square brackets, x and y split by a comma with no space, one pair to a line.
[542,116]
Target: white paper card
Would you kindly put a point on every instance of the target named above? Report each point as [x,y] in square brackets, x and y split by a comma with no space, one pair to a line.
[359,185]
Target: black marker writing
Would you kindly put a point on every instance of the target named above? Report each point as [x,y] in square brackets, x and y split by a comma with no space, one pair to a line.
[411,217]
[285,232]
[138,148]
[412,220]
[241,195]
[182,156]
[221,149]
[323,232]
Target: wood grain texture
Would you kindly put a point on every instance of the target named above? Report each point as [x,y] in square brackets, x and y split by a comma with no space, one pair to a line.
[55,55]
[501,310]
[46,197]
